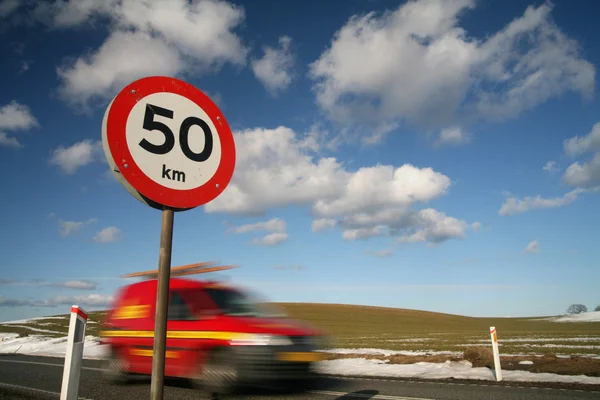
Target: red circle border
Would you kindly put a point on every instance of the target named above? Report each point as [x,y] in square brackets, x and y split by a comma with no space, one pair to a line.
[116,126]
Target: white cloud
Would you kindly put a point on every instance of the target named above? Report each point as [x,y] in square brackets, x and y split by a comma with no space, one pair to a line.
[514,205]
[532,247]
[417,64]
[550,166]
[7,7]
[15,116]
[380,253]
[171,37]
[108,235]
[322,224]
[71,158]
[272,225]
[584,144]
[275,226]
[275,169]
[91,300]
[587,173]
[452,136]
[77,284]
[69,227]
[272,239]
[274,69]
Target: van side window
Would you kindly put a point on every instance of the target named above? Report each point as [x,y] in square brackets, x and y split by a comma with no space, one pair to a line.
[178,309]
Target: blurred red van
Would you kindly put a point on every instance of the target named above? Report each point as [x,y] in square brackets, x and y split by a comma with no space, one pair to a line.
[218,335]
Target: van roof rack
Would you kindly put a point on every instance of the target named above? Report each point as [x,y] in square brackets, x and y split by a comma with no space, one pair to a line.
[182,270]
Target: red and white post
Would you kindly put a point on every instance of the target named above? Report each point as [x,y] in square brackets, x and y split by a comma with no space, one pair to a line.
[74,354]
[497,366]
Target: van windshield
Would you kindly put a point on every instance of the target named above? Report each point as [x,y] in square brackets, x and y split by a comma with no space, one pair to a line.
[236,303]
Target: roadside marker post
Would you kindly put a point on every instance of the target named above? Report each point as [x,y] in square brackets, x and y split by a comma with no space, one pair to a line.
[497,366]
[171,147]
[74,354]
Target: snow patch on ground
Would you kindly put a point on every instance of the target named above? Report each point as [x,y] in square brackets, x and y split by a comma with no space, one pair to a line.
[449,369]
[39,345]
[592,316]
[526,362]
[24,321]
[56,347]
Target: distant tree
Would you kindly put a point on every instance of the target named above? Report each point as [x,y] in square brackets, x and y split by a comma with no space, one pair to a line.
[597,308]
[576,309]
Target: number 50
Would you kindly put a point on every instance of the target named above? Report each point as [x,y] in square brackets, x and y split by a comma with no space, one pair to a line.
[150,125]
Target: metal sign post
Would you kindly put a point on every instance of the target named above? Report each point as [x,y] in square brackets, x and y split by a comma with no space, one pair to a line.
[162,299]
[74,354]
[170,146]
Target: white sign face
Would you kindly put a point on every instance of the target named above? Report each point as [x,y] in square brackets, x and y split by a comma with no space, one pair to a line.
[173,141]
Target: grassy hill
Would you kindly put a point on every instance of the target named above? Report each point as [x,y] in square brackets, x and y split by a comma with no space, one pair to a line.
[399,329]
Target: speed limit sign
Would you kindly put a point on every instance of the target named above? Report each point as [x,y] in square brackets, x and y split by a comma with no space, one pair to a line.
[168,143]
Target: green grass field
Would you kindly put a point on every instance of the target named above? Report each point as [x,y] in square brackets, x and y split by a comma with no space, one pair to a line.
[400,329]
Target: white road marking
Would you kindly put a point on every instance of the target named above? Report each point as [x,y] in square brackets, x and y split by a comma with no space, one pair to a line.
[364,395]
[9,385]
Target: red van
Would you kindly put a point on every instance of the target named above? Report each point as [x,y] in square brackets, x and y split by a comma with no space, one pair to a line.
[218,335]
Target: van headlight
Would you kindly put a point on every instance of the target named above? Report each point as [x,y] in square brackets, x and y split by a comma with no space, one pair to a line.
[262,340]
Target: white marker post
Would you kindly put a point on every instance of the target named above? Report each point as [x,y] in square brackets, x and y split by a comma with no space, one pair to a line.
[74,354]
[497,366]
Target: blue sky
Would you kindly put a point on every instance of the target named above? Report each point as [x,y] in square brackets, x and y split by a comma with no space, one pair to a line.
[435,155]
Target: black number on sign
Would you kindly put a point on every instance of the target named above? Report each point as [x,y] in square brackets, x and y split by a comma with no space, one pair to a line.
[150,125]
[183,139]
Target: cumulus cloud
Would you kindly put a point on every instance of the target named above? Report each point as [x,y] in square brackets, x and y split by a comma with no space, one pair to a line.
[587,173]
[550,166]
[108,235]
[274,69]
[7,7]
[322,224]
[72,158]
[532,247]
[452,137]
[578,145]
[380,253]
[77,284]
[170,37]
[272,239]
[275,226]
[417,64]
[277,168]
[514,205]
[14,117]
[69,227]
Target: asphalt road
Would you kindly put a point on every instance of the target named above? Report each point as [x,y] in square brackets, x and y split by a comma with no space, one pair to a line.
[26,377]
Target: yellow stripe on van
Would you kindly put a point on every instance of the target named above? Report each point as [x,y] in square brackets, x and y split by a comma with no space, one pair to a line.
[150,353]
[216,335]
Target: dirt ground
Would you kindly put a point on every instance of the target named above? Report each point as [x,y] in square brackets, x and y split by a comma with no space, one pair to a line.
[482,357]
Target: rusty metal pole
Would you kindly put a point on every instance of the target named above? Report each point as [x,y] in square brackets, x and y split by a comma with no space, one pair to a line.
[162,299]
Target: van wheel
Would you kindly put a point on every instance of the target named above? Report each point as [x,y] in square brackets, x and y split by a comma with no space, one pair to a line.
[115,368]
[219,375]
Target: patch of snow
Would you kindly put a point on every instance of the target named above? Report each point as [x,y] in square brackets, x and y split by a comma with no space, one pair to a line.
[52,347]
[526,362]
[592,316]
[410,340]
[449,369]
[24,321]
[549,339]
